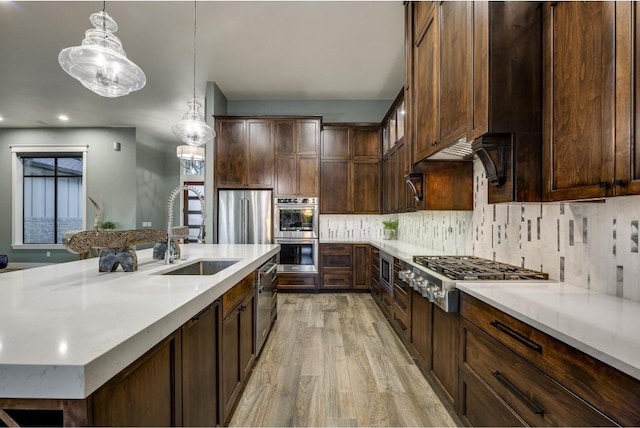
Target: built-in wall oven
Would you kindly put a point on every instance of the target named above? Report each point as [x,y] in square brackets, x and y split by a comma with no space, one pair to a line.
[298,255]
[296,218]
[296,230]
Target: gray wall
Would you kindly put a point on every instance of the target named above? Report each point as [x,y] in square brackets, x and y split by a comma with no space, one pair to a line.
[157,173]
[129,184]
[330,110]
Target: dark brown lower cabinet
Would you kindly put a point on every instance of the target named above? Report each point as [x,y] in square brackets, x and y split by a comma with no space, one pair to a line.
[361,266]
[147,393]
[444,361]
[200,349]
[386,303]
[540,379]
[421,314]
[534,396]
[237,350]
[336,266]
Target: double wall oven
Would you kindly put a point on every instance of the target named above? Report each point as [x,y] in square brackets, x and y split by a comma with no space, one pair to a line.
[296,230]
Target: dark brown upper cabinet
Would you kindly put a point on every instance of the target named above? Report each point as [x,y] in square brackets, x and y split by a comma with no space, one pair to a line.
[350,169]
[627,169]
[244,153]
[475,74]
[424,113]
[455,69]
[441,75]
[579,136]
[297,143]
[506,122]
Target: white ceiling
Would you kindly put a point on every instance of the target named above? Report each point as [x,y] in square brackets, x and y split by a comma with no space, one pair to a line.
[253,50]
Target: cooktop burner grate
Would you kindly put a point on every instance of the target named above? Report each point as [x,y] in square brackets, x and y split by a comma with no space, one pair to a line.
[476,268]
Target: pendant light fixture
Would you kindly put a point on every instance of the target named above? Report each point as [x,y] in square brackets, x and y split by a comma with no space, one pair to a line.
[190,158]
[192,129]
[100,63]
[190,153]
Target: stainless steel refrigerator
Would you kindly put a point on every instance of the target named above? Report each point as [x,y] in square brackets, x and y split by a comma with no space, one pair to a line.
[245,217]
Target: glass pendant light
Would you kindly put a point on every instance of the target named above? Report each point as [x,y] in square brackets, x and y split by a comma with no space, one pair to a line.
[100,63]
[192,129]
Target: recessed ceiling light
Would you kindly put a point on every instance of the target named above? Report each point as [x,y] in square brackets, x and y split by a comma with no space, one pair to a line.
[63,117]
[1,118]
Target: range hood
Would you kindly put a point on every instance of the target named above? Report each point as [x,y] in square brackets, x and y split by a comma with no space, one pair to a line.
[460,150]
[491,150]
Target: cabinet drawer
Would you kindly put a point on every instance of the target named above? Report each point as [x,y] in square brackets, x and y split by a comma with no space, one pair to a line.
[537,398]
[386,303]
[402,287]
[336,260]
[401,324]
[475,400]
[337,280]
[296,281]
[604,387]
[335,248]
[235,295]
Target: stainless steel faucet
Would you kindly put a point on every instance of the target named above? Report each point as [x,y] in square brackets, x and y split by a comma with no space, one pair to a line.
[168,258]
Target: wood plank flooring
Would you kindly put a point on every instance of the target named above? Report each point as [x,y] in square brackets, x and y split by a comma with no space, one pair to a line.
[333,360]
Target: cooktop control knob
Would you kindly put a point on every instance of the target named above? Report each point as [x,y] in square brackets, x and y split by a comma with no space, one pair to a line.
[438,295]
[408,275]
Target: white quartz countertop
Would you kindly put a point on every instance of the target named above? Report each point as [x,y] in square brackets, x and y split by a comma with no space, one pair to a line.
[603,326]
[66,329]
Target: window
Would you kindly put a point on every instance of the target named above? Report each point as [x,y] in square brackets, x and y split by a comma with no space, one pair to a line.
[193,168]
[192,210]
[49,194]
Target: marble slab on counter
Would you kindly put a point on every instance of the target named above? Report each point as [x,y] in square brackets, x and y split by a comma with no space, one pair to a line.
[66,329]
[603,326]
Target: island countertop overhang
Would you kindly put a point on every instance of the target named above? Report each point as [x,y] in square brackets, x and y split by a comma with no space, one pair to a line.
[66,329]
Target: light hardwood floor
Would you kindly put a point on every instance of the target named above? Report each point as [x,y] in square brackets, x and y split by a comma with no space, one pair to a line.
[333,360]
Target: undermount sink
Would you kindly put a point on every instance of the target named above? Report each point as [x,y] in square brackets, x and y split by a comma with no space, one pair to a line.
[202,267]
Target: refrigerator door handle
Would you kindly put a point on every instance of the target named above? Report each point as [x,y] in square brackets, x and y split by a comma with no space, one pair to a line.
[246,220]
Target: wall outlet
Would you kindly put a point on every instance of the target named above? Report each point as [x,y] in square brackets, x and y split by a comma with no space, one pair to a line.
[146,224]
[48,253]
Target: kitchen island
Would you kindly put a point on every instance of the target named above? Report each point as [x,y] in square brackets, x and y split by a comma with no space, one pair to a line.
[67,329]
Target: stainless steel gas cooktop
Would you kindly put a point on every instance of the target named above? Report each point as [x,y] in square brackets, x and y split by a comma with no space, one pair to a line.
[475,268]
[435,276]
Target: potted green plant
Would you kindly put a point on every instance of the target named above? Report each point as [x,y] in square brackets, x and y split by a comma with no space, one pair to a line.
[390,230]
[107,225]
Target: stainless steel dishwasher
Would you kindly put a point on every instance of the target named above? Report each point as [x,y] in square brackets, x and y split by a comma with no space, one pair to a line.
[266,299]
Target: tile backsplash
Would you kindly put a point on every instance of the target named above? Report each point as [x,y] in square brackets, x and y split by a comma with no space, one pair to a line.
[592,245]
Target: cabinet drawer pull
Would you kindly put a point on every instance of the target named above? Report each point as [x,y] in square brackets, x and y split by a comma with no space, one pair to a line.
[517,336]
[603,185]
[620,183]
[515,391]
[199,315]
[400,324]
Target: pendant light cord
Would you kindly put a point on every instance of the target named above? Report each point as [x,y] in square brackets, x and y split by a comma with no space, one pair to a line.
[195,3]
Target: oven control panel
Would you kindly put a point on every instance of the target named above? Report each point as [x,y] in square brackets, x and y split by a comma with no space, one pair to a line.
[308,201]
